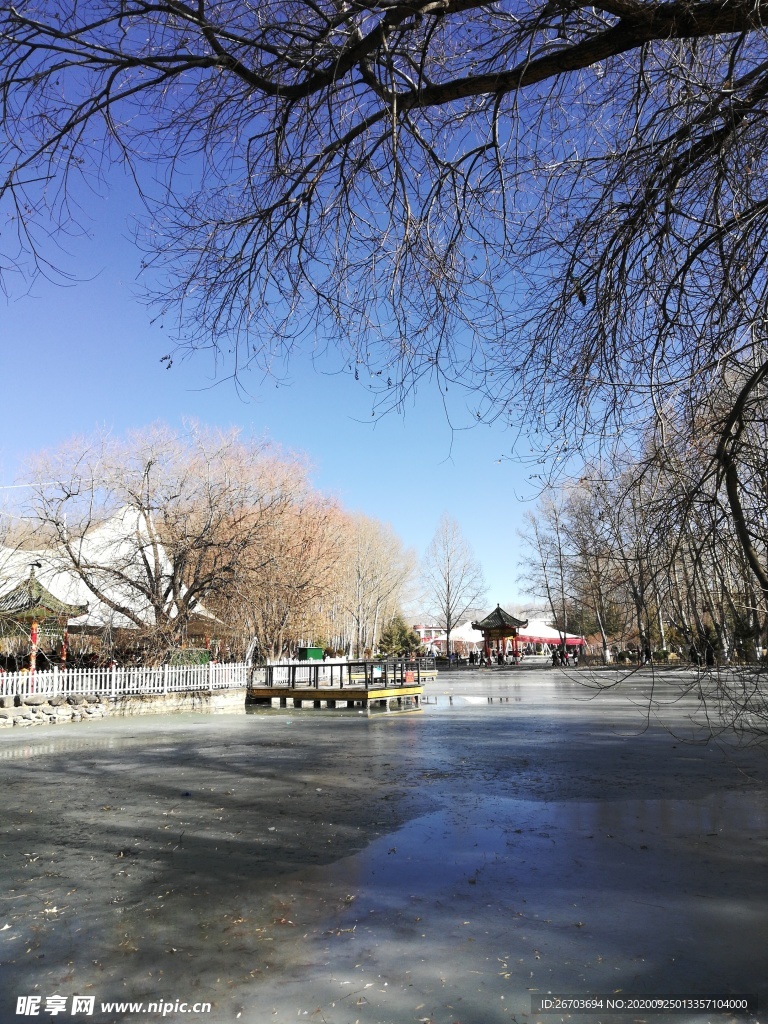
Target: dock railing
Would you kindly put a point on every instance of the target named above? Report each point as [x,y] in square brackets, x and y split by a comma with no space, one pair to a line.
[369,675]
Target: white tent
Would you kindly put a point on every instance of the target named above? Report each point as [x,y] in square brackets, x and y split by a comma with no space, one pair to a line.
[468,635]
[112,551]
[473,638]
[539,632]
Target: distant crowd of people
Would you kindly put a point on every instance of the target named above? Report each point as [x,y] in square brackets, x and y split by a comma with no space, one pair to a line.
[497,656]
[568,656]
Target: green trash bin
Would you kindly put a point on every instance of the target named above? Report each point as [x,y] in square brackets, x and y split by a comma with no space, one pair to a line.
[310,654]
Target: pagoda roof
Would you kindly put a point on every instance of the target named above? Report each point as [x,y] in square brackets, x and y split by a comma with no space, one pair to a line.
[499,620]
[31,602]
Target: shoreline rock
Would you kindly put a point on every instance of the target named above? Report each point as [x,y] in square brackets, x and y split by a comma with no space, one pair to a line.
[45,709]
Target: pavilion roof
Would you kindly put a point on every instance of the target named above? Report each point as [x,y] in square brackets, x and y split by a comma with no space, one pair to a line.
[30,601]
[499,620]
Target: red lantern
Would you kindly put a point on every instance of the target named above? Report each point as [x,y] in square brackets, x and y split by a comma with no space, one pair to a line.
[33,647]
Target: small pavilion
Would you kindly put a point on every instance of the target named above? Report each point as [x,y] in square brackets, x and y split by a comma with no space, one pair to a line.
[499,627]
[30,606]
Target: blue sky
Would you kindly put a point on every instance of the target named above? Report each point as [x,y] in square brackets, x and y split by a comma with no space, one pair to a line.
[76,358]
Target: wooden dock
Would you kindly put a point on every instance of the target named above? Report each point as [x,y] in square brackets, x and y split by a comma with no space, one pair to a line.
[373,687]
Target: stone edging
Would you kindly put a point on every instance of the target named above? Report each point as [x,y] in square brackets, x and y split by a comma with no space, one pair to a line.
[38,709]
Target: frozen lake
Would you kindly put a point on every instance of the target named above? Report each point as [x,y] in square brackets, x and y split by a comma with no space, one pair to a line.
[516,838]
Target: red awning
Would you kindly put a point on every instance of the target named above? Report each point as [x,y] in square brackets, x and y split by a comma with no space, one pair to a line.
[570,641]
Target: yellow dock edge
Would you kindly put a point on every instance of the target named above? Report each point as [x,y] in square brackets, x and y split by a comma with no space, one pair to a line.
[395,691]
[327,693]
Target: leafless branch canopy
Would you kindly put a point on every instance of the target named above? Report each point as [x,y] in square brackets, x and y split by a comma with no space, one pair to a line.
[560,206]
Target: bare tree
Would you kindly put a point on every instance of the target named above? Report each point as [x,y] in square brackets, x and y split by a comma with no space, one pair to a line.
[157,524]
[553,560]
[657,539]
[595,581]
[288,579]
[452,575]
[377,570]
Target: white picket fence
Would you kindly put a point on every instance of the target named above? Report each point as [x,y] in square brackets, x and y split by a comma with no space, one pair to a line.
[119,681]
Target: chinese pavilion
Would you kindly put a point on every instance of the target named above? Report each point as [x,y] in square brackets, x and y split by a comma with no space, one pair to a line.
[31,605]
[499,627]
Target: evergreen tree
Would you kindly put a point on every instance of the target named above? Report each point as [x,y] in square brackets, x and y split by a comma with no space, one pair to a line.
[398,639]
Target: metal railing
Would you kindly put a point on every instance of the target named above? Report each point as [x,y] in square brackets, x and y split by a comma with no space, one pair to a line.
[313,675]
